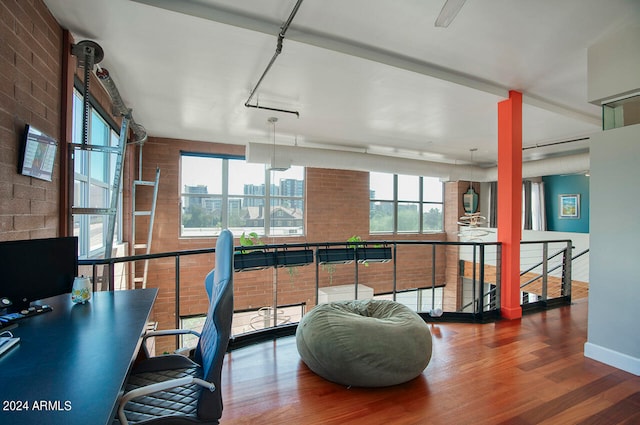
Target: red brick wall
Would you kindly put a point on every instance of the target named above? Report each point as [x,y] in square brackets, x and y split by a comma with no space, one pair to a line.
[30,79]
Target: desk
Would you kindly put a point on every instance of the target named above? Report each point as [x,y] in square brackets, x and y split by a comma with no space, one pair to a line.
[72,362]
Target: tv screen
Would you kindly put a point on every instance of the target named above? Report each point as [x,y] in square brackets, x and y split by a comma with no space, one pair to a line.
[34,269]
[37,154]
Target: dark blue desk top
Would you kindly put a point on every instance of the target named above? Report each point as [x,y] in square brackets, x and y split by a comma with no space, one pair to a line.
[71,363]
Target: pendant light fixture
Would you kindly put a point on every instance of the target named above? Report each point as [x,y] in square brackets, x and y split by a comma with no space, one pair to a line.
[471,222]
[470,197]
[277,164]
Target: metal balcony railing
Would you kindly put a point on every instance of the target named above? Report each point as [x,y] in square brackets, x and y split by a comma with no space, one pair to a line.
[416,273]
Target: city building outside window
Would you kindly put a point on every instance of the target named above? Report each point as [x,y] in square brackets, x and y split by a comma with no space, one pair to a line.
[227,192]
[405,204]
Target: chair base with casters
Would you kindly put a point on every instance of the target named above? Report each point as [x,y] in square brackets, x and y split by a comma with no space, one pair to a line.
[169,393]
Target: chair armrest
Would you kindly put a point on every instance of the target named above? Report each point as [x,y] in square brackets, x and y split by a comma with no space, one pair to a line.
[165,333]
[171,332]
[160,386]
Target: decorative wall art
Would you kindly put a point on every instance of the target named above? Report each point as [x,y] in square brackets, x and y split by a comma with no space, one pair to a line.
[570,206]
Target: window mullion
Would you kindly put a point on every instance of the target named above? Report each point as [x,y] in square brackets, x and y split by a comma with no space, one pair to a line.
[267,202]
[395,204]
[420,205]
[225,194]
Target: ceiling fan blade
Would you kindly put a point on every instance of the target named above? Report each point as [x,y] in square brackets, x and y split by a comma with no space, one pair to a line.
[449,11]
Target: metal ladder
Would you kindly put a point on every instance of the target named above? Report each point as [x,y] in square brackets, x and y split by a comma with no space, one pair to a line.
[89,53]
[135,214]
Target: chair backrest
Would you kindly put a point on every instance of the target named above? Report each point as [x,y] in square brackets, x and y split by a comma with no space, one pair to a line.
[208,283]
[216,331]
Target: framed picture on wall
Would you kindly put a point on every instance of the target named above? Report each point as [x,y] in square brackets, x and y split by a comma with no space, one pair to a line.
[570,206]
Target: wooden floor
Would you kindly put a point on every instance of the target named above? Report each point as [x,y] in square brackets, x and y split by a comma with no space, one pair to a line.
[529,371]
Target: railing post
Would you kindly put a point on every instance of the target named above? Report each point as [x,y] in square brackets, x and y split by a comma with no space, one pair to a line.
[275,292]
[177,301]
[481,300]
[498,275]
[112,275]
[473,278]
[566,275]
[355,255]
[317,276]
[395,253]
[545,270]
[433,276]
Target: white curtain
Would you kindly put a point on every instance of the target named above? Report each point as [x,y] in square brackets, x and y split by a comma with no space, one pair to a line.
[533,207]
[538,210]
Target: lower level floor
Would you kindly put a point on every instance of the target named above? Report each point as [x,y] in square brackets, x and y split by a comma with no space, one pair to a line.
[526,371]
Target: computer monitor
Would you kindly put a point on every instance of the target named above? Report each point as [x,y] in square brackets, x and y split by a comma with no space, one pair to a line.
[35,269]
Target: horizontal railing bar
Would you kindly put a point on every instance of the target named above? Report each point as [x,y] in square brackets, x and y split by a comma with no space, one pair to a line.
[547,242]
[552,269]
[92,261]
[522,273]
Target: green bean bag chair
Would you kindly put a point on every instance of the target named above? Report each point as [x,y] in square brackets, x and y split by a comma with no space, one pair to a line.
[364,343]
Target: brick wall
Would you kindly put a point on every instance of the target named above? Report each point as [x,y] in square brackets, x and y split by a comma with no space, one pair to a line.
[30,80]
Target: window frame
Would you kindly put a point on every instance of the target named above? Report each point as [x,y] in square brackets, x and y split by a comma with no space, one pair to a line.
[397,203]
[225,196]
[84,181]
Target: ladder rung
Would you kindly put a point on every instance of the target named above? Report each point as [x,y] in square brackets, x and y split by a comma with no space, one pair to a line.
[142,213]
[140,246]
[93,211]
[144,183]
[137,279]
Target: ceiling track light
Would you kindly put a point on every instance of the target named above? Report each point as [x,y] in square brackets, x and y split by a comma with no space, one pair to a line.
[283,31]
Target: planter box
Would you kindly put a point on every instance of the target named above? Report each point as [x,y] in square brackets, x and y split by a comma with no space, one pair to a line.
[295,257]
[374,254]
[254,260]
[335,255]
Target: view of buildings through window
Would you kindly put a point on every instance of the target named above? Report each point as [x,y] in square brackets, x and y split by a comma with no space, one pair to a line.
[227,192]
[405,204]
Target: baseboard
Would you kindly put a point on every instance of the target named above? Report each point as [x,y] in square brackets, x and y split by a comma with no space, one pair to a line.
[612,358]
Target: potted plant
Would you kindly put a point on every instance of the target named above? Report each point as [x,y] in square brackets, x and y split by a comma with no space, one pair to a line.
[253,257]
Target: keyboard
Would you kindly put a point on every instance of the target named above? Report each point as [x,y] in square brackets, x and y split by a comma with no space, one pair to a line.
[10,318]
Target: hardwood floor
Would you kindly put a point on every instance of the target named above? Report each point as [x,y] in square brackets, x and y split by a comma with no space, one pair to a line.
[529,371]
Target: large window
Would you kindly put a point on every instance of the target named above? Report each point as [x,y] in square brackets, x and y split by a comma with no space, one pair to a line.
[227,192]
[405,204]
[93,179]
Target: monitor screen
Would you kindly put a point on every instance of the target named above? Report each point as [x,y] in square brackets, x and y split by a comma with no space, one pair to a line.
[37,154]
[34,269]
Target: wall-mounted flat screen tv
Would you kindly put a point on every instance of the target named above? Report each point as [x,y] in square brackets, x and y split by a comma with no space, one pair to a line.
[37,154]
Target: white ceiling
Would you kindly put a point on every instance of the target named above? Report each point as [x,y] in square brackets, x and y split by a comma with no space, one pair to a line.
[371,76]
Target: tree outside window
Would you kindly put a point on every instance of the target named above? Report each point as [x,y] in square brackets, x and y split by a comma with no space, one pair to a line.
[405,204]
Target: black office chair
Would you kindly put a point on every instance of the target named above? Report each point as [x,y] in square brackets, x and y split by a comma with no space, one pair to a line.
[174,389]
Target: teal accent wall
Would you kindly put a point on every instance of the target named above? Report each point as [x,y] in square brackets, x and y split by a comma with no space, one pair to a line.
[554,186]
